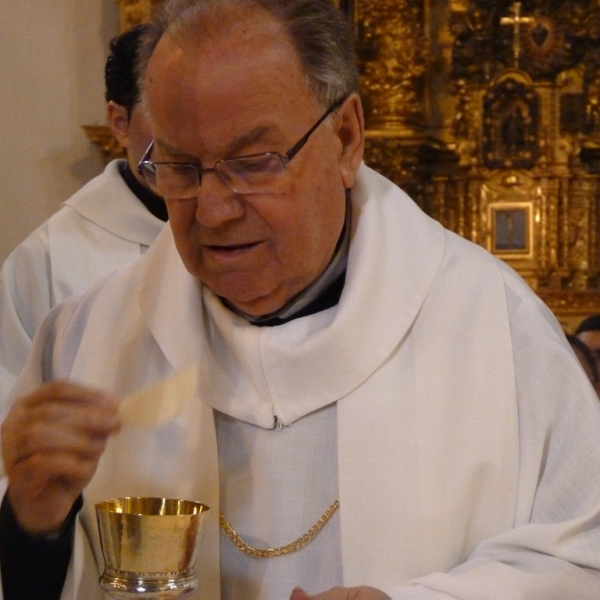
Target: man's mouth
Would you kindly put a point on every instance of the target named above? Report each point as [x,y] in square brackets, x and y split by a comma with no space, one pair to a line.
[231,247]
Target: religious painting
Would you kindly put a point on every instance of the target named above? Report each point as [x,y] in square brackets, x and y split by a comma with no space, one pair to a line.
[511,227]
[511,124]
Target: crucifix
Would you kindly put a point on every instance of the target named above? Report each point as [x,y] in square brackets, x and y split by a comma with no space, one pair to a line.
[516,21]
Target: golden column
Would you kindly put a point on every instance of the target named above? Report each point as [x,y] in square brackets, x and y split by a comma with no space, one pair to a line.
[394,57]
[391,45]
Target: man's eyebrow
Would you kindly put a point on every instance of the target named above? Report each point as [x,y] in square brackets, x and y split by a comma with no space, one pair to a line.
[235,148]
[168,149]
[247,139]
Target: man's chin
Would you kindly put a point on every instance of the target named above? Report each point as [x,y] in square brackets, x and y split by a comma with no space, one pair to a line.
[257,307]
[253,297]
[255,302]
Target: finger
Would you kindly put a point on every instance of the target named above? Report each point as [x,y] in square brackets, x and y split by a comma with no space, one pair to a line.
[95,419]
[72,393]
[62,471]
[92,419]
[42,518]
[44,439]
[336,593]
[44,489]
[81,416]
[42,493]
[299,594]
[82,432]
[354,593]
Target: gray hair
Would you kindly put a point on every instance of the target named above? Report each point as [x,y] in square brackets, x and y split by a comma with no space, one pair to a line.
[320,33]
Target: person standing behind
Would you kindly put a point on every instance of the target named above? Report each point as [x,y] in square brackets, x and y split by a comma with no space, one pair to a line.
[586,357]
[588,331]
[108,223]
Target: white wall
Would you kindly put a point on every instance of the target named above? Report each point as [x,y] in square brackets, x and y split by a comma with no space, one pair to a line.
[52,55]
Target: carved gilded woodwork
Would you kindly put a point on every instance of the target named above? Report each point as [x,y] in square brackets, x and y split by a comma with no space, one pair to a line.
[102,136]
[387,32]
[135,12]
[496,132]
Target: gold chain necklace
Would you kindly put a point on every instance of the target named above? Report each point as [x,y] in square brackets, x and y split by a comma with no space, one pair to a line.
[271,552]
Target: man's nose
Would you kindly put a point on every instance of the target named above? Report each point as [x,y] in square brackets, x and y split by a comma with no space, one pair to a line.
[217,203]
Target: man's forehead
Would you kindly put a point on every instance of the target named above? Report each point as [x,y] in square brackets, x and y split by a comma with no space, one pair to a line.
[235,99]
[216,60]
[237,30]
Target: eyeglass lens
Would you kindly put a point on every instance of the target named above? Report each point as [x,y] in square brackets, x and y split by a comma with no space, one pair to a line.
[243,175]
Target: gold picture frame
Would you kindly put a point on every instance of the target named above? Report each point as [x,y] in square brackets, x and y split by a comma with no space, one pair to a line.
[511,226]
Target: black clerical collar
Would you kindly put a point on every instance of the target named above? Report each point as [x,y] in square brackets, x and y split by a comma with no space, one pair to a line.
[155,204]
[323,293]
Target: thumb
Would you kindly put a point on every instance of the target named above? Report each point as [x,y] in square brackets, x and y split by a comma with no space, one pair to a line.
[299,594]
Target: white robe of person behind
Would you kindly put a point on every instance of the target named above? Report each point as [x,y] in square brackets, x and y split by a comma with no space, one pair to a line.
[468,454]
[101,228]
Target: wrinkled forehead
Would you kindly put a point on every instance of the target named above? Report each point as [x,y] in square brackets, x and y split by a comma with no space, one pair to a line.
[212,49]
[213,20]
[243,77]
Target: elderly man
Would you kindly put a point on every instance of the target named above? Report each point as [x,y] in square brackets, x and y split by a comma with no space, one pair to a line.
[108,223]
[350,353]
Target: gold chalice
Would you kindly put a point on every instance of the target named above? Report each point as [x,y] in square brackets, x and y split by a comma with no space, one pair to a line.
[149,546]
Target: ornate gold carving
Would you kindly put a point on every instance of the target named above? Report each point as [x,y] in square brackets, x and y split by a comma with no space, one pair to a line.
[511,122]
[384,152]
[134,12]
[104,139]
[388,33]
[519,139]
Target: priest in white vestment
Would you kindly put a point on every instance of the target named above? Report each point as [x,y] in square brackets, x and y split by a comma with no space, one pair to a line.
[354,359]
[108,223]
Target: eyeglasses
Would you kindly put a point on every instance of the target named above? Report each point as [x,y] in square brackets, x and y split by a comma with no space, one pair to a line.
[251,174]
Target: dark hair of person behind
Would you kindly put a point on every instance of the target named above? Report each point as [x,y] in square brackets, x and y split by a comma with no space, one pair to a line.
[590,324]
[120,74]
[576,343]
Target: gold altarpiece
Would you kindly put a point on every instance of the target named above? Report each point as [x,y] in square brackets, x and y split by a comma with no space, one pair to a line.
[488,114]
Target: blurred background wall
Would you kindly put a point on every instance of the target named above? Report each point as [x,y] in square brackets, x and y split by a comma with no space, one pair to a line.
[52,55]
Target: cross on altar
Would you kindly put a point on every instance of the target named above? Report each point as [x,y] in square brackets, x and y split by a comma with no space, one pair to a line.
[516,21]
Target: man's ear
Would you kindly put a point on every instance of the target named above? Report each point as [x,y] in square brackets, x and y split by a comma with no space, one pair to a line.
[118,121]
[351,132]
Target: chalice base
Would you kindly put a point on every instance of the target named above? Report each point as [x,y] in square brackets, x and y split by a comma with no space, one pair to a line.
[127,585]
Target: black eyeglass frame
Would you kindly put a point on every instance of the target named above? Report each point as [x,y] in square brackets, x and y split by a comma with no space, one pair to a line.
[200,170]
